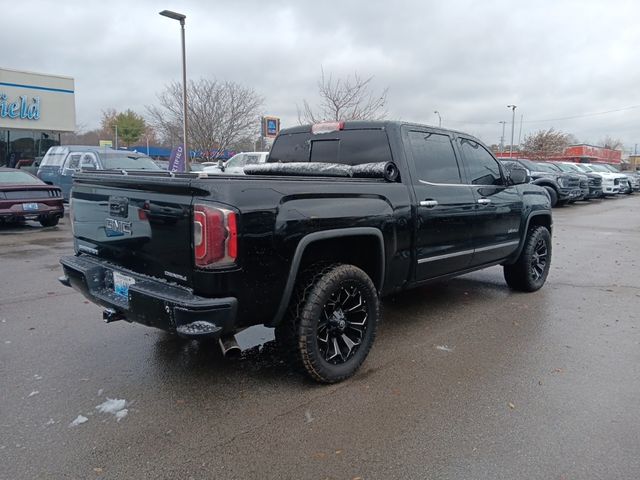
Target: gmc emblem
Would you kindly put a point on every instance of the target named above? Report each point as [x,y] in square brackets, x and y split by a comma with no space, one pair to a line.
[117,226]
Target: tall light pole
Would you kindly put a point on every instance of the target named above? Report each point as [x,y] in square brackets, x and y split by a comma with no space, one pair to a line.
[513,118]
[502,137]
[180,17]
[439,118]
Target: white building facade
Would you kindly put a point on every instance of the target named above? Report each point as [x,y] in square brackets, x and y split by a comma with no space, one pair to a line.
[35,109]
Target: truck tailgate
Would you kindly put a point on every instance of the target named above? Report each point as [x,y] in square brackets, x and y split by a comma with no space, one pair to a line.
[139,223]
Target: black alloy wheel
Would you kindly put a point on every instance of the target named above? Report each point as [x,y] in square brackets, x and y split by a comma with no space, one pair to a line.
[331,322]
[529,272]
[343,324]
[539,259]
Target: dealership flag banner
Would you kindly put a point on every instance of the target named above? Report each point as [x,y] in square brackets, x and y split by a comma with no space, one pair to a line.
[176,161]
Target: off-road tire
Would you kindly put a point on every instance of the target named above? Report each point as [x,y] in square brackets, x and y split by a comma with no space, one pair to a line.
[553,196]
[527,274]
[49,221]
[298,333]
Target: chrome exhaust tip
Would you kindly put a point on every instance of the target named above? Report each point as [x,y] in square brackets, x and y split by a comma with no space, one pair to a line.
[229,346]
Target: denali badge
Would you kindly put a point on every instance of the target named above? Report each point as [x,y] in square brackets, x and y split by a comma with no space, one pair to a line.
[115,228]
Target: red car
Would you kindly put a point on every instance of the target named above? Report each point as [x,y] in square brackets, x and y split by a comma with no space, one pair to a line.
[24,196]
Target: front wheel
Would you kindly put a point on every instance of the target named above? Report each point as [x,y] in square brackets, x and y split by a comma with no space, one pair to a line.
[553,196]
[332,322]
[530,271]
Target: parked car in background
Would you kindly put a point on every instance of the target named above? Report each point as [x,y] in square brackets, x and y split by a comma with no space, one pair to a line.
[25,197]
[612,183]
[235,165]
[60,163]
[633,180]
[590,183]
[561,187]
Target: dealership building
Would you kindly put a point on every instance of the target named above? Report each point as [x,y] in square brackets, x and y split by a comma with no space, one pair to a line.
[35,109]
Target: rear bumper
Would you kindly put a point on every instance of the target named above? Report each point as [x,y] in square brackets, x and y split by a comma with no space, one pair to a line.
[17,211]
[149,301]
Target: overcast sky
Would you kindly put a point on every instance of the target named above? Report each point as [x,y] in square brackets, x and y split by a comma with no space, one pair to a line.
[466,59]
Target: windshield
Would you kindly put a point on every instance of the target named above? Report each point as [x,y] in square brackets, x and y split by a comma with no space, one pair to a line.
[566,168]
[527,164]
[612,168]
[124,161]
[543,167]
[599,168]
[583,168]
[19,178]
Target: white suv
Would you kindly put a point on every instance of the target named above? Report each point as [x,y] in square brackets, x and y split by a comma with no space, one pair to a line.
[235,165]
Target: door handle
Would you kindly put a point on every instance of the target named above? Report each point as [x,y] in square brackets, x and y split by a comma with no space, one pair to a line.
[429,203]
[484,201]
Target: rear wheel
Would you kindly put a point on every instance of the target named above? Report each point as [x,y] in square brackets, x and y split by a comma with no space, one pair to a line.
[331,323]
[530,271]
[49,221]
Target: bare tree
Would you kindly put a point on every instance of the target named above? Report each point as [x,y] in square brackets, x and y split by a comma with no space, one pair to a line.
[609,142]
[219,114]
[545,143]
[344,99]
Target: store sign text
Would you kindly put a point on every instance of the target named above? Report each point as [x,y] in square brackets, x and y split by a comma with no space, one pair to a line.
[22,108]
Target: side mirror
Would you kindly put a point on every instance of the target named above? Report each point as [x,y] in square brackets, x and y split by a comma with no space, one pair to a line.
[518,176]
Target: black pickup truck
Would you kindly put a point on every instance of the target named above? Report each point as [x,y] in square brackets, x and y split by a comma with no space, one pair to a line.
[300,250]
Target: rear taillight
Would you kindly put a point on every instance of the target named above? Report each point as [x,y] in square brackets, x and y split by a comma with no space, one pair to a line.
[215,236]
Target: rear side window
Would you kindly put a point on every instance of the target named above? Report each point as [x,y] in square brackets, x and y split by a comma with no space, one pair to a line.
[434,158]
[54,156]
[348,147]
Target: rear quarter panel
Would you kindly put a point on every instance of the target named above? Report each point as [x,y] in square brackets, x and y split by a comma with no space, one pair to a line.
[277,213]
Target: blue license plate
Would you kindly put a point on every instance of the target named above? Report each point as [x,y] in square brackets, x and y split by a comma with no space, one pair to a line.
[121,284]
[29,207]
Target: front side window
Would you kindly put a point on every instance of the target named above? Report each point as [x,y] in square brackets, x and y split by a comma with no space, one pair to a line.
[434,158]
[483,168]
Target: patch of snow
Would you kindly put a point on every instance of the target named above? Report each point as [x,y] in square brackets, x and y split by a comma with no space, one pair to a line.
[78,421]
[308,417]
[35,392]
[51,421]
[7,342]
[37,377]
[121,414]
[100,392]
[444,348]
[112,405]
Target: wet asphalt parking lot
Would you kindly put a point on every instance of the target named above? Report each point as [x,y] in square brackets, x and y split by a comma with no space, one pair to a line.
[466,380]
